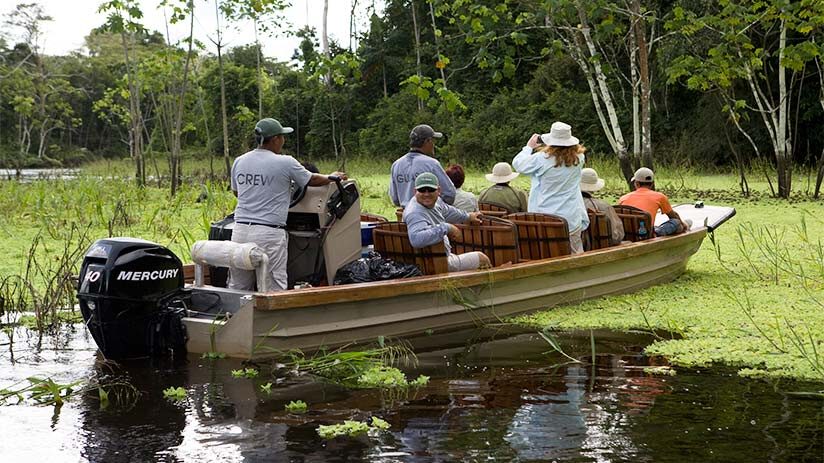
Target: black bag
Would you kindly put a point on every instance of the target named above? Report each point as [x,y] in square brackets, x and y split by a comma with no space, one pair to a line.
[373,267]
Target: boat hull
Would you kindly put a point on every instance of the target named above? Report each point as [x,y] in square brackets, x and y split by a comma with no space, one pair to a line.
[329,317]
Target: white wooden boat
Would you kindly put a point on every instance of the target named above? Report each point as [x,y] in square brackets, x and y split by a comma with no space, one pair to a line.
[124,281]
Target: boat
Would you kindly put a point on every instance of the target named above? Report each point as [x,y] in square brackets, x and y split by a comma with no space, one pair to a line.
[125,282]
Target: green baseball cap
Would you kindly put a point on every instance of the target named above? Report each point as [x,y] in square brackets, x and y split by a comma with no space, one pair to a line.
[426,180]
[270,127]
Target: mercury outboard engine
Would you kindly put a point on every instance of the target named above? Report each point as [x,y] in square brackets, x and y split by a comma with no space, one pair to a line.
[132,298]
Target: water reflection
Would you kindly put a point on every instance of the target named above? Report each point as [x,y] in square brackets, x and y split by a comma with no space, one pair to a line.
[506,399]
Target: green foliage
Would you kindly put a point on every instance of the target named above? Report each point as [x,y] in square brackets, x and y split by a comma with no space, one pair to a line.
[175,394]
[248,373]
[351,428]
[296,406]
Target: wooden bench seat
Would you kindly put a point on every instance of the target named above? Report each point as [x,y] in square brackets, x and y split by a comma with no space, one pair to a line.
[598,234]
[632,217]
[391,241]
[540,236]
[369,217]
[493,210]
[497,238]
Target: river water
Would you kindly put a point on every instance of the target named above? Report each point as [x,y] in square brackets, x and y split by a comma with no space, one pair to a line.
[509,398]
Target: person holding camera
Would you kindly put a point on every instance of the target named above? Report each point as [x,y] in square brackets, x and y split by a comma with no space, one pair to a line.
[262,181]
[555,171]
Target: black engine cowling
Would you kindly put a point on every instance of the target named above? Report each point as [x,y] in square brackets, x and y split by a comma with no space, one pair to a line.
[132,298]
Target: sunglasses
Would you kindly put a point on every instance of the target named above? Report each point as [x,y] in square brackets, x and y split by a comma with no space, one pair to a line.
[426,190]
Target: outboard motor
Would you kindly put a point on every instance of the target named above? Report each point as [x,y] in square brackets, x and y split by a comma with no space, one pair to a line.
[132,298]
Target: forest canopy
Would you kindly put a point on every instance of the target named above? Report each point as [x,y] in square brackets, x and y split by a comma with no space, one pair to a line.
[735,84]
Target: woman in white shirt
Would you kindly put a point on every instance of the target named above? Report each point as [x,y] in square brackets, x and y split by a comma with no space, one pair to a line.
[555,170]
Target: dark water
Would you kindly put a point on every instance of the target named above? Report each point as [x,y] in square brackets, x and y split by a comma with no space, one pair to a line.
[503,400]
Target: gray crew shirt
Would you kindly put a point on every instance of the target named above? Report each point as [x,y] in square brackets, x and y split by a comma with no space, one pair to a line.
[262,180]
[427,226]
[407,168]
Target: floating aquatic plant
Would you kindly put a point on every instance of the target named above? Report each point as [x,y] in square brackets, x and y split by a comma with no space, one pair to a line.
[296,406]
[245,373]
[174,393]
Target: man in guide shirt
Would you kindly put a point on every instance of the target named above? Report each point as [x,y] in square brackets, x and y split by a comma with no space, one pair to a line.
[417,161]
[262,181]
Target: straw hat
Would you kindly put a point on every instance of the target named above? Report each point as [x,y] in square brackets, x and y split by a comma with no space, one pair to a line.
[590,181]
[560,134]
[501,173]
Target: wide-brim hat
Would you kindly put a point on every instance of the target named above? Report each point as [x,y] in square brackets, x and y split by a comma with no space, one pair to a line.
[560,134]
[590,181]
[501,173]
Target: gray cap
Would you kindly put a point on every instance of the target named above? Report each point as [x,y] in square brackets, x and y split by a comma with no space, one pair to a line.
[270,127]
[421,133]
[643,175]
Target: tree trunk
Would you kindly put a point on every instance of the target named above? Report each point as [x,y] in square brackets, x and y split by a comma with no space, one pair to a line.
[224,120]
[643,67]
[176,171]
[135,117]
[417,50]
[259,76]
[782,164]
[324,40]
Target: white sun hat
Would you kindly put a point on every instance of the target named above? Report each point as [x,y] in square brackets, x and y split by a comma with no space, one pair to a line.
[560,134]
[501,173]
[590,181]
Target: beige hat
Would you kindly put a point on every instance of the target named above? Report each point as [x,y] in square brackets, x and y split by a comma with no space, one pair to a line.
[560,134]
[643,175]
[501,173]
[590,181]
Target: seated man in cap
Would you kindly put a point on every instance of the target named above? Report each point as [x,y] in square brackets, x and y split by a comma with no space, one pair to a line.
[429,220]
[501,194]
[262,181]
[590,183]
[647,199]
[418,160]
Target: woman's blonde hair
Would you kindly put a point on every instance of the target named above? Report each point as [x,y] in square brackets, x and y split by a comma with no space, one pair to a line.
[564,155]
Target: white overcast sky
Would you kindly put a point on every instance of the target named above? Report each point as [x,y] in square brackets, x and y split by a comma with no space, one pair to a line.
[73,19]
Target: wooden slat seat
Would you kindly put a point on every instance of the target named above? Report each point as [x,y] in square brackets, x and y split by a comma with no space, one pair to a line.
[493,210]
[541,236]
[392,242]
[632,217]
[497,238]
[597,235]
[369,217]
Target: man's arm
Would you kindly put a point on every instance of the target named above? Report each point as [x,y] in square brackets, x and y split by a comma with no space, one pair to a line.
[393,190]
[422,233]
[320,179]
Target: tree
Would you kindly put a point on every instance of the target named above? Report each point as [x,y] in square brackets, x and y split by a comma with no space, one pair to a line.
[746,41]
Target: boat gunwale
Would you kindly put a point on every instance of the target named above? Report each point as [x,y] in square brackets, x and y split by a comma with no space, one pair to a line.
[356,292]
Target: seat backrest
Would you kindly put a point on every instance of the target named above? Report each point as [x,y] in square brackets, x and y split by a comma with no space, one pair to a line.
[497,238]
[369,217]
[632,217]
[597,235]
[541,236]
[492,209]
[391,241]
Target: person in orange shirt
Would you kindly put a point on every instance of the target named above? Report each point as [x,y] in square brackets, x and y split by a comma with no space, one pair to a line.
[647,199]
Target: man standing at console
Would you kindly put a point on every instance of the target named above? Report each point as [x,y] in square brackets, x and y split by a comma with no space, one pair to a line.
[262,180]
[417,161]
